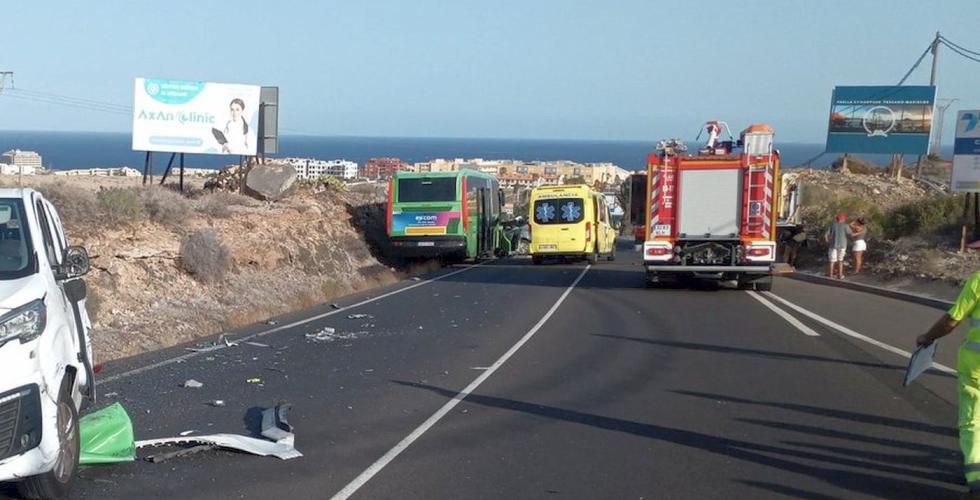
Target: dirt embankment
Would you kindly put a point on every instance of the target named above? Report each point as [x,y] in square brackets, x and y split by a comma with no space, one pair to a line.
[167,267]
[914,229]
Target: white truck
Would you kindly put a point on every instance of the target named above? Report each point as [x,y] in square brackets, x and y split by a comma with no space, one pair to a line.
[45,350]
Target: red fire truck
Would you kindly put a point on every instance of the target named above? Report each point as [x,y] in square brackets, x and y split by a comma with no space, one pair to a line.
[712,215]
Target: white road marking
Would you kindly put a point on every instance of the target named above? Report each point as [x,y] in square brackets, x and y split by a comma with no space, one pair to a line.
[385,459]
[851,333]
[785,315]
[185,357]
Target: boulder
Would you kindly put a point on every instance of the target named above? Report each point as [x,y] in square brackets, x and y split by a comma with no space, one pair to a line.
[270,182]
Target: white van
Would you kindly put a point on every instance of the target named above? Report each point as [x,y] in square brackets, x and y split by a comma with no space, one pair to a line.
[45,350]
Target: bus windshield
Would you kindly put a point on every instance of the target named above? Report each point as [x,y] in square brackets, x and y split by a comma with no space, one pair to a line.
[427,189]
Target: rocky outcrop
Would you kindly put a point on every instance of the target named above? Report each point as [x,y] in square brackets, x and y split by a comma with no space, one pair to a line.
[270,182]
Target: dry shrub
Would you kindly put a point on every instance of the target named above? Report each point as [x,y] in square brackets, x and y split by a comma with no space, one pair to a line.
[219,204]
[933,262]
[76,206]
[203,255]
[120,205]
[165,205]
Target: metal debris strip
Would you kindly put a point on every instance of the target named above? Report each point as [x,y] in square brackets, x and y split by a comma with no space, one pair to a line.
[328,334]
[275,426]
[193,384]
[216,402]
[257,344]
[360,316]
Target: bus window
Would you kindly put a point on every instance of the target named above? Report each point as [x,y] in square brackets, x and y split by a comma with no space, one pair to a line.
[427,189]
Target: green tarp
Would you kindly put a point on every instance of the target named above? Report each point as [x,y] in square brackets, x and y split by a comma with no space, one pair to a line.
[106,436]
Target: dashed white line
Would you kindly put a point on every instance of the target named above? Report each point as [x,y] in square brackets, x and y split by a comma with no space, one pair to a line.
[851,333]
[184,357]
[385,459]
[785,315]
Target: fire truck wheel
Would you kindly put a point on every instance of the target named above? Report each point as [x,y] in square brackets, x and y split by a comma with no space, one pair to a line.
[764,284]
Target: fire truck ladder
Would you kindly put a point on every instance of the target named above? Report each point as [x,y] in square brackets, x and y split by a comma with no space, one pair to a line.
[756,197]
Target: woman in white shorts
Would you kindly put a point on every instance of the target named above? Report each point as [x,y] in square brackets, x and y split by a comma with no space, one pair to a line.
[859,232]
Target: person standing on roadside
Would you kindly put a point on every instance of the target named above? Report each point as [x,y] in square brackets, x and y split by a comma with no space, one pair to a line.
[967,305]
[859,232]
[792,240]
[836,238]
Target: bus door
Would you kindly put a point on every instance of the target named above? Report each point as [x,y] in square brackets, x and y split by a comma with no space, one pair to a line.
[484,231]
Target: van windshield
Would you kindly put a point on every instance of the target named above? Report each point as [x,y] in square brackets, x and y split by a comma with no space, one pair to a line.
[427,189]
[16,251]
[559,211]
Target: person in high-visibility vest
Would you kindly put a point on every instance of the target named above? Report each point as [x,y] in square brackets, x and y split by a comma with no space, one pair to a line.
[968,375]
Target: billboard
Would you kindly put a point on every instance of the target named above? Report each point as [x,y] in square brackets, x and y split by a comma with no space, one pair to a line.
[182,116]
[966,153]
[880,119]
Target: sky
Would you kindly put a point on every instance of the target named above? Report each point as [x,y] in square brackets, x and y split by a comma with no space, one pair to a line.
[572,69]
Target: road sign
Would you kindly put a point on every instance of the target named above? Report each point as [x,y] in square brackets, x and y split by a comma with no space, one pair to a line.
[966,153]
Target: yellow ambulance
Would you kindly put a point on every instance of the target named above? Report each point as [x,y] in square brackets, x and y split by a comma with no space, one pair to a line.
[570,221]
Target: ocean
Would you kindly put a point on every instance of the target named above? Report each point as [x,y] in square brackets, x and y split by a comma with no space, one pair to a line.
[67,150]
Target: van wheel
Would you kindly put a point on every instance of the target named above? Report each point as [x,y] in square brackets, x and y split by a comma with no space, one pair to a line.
[537,260]
[612,254]
[57,482]
[764,284]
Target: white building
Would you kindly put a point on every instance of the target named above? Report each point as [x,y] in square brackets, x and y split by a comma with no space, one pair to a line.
[310,168]
[22,158]
[17,169]
[101,172]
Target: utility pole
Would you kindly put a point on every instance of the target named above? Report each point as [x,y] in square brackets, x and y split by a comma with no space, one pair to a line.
[932,82]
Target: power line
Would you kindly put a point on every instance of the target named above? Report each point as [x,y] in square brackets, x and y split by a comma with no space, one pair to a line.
[917,63]
[964,49]
[48,95]
[960,52]
[67,104]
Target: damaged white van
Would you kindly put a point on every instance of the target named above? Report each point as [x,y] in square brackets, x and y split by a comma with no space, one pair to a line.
[45,351]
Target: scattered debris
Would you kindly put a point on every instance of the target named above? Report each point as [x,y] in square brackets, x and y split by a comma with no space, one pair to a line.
[163,457]
[106,436]
[359,316]
[479,368]
[193,384]
[416,278]
[110,395]
[325,334]
[275,426]
[272,322]
[187,433]
[335,306]
[253,380]
[257,344]
[216,402]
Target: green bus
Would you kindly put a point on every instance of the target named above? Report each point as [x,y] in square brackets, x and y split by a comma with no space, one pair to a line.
[453,215]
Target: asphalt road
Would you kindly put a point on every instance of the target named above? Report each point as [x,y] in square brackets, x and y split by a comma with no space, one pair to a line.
[603,389]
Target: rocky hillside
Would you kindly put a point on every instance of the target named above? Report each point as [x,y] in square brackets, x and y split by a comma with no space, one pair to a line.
[169,267]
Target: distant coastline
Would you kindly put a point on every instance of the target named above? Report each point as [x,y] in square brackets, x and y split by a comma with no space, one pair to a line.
[69,150]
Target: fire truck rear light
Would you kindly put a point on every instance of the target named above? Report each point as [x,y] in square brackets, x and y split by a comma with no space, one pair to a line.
[658,251]
[758,251]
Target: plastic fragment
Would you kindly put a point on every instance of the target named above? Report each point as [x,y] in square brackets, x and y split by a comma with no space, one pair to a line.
[193,384]
[106,436]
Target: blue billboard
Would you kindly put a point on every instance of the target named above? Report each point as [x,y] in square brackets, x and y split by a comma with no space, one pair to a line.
[880,119]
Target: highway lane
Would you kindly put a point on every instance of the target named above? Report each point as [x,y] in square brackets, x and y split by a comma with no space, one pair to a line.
[634,393]
[623,392]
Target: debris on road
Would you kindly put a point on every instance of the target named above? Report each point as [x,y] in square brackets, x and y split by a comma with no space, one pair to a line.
[193,384]
[216,402]
[187,433]
[416,278]
[335,306]
[106,437]
[275,426]
[253,380]
[328,334]
[257,344]
[272,322]
[163,457]
[360,316]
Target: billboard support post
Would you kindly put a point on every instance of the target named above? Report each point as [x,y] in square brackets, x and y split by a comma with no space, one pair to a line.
[148,168]
[166,171]
[182,172]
